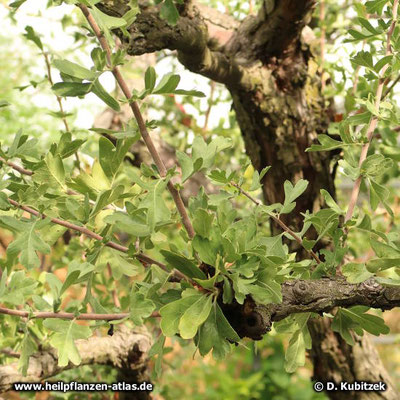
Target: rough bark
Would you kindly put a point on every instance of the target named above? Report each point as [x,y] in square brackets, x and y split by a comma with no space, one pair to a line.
[190,37]
[124,350]
[335,361]
[302,296]
[271,73]
[273,32]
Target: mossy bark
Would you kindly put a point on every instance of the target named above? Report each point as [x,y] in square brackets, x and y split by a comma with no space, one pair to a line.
[280,115]
[279,118]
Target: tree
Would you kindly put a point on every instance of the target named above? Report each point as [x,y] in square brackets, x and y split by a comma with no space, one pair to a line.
[218,275]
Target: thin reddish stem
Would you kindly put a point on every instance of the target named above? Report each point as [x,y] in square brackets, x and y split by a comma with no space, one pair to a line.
[59,100]
[140,121]
[89,233]
[374,120]
[64,315]
[21,170]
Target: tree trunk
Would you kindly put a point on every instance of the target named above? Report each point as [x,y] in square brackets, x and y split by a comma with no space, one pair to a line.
[335,361]
[132,376]
[279,116]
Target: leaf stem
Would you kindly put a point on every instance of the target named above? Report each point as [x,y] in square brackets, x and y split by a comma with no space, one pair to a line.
[59,100]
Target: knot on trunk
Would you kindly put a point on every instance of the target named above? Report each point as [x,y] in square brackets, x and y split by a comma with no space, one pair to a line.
[248,319]
[300,291]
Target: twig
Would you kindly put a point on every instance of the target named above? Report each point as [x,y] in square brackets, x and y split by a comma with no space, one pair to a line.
[21,170]
[374,120]
[42,262]
[210,104]
[113,291]
[279,222]
[10,353]
[140,121]
[63,315]
[89,233]
[59,100]
[322,41]
[389,88]
[66,315]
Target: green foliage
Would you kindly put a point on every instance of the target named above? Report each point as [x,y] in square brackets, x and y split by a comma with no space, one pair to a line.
[291,194]
[31,35]
[168,10]
[76,87]
[357,320]
[216,334]
[109,199]
[166,86]
[185,315]
[203,155]
[18,289]
[28,347]
[65,333]
[28,242]
[186,266]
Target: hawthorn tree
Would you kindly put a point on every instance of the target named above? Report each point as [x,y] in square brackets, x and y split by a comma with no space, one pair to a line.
[248,248]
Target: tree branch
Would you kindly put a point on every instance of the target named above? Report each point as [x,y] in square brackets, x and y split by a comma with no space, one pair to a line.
[273,33]
[63,315]
[317,296]
[214,44]
[125,349]
[18,168]
[141,257]
[298,296]
[326,293]
[140,121]
[198,36]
